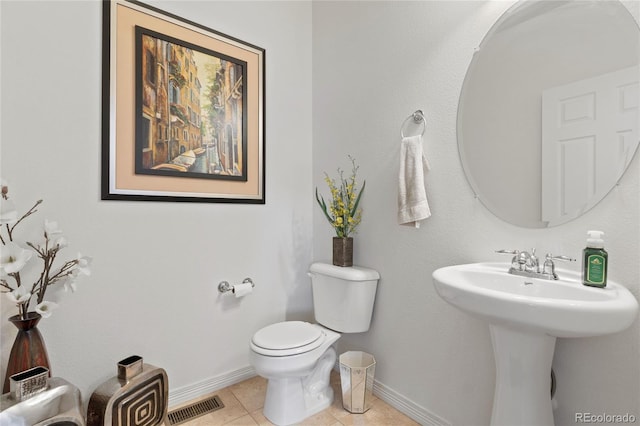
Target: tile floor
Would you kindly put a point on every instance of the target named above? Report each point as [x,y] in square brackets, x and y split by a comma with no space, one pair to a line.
[243,407]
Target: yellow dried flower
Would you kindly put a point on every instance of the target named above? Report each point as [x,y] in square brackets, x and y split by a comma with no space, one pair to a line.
[343,212]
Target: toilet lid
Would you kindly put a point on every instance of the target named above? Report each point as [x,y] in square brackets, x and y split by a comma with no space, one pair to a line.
[289,336]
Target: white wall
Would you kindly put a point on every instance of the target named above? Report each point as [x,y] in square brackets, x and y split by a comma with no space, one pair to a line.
[375,63]
[153,291]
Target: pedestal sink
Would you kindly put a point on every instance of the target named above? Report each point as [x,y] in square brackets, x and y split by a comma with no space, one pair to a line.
[525,317]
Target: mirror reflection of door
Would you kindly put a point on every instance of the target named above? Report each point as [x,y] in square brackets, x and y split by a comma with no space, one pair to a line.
[589,132]
[537,45]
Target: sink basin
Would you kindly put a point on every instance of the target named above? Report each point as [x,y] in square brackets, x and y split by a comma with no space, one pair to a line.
[58,405]
[560,308]
[525,317]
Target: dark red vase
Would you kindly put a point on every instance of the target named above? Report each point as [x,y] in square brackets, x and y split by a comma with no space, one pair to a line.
[28,349]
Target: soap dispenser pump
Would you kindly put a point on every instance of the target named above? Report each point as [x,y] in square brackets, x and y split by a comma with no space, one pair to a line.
[595,260]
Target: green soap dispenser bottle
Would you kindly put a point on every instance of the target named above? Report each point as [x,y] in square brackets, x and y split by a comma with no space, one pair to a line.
[595,261]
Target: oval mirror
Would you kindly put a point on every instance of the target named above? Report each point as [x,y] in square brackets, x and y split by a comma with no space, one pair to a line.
[549,110]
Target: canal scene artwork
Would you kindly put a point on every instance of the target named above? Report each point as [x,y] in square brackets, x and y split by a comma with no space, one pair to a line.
[190,110]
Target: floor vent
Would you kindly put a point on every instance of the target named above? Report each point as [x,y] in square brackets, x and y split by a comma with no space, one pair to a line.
[190,412]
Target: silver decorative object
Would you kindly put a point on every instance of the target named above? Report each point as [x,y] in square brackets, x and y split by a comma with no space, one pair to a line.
[58,403]
[129,367]
[137,396]
[27,383]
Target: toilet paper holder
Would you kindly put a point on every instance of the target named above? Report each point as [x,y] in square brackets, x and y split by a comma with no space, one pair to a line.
[224,286]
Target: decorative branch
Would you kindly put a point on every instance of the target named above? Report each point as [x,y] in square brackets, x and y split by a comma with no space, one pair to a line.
[31,211]
[16,257]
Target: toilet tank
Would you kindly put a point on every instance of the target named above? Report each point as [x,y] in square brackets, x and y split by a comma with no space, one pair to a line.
[343,296]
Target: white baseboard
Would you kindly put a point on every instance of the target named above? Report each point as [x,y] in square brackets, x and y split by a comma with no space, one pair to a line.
[406,406]
[396,400]
[190,392]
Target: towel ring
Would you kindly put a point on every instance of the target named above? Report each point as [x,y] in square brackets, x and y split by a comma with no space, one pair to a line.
[418,117]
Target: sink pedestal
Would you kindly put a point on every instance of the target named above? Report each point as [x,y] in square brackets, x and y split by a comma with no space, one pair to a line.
[523,382]
[526,315]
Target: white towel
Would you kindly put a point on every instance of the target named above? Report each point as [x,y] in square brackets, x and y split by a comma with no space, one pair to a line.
[412,196]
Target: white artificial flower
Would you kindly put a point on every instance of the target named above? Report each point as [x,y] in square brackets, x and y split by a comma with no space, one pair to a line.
[45,308]
[83,264]
[70,282]
[13,257]
[19,295]
[51,228]
[61,242]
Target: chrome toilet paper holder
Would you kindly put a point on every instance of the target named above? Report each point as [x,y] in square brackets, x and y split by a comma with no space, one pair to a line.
[224,286]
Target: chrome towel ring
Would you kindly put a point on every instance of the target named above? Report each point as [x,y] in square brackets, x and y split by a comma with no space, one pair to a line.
[418,118]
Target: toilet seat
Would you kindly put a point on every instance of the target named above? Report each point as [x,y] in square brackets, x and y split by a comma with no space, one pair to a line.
[287,338]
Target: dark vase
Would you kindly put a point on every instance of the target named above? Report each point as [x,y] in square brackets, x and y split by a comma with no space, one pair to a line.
[28,349]
[343,251]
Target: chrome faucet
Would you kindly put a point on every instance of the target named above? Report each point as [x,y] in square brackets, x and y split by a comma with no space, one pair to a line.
[549,268]
[527,264]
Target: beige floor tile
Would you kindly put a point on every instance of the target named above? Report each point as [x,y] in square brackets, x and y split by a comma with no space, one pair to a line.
[250,392]
[200,421]
[242,421]
[380,413]
[323,418]
[260,419]
[232,410]
[243,407]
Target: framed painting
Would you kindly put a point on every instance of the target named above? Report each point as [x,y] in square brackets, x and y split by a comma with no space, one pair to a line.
[183,110]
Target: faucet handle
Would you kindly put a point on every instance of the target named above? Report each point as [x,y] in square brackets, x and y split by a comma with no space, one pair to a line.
[515,264]
[535,263]
[549,256]
[549,267]
[503,251]
[521,260]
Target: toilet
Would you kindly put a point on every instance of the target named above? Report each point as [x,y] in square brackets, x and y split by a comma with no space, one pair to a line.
[296,357]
